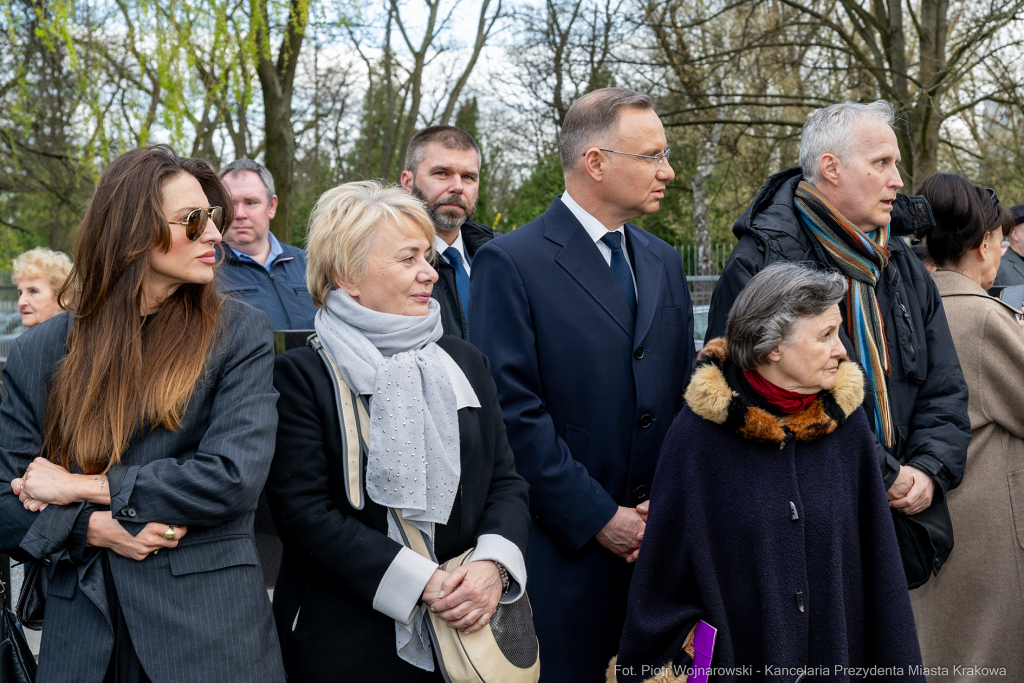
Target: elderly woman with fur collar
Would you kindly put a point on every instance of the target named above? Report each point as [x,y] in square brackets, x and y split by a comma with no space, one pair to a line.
[768,517]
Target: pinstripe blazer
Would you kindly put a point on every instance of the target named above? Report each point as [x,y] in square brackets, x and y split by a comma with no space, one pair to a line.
[197,612]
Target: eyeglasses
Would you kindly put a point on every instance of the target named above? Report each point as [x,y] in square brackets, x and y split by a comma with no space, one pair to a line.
[657,158]
[195,221]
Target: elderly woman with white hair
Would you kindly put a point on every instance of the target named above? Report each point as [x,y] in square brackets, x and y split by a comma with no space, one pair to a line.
[39,274]
[351,599]
[768,518]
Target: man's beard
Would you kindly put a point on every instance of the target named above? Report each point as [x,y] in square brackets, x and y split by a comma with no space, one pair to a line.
[446,219]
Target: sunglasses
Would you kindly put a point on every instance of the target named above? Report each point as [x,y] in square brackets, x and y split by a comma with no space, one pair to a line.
[195,221]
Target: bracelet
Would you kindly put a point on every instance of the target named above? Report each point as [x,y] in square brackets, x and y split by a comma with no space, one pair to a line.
[506,582]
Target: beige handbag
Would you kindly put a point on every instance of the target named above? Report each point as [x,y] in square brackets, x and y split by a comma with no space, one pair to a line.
[506,649]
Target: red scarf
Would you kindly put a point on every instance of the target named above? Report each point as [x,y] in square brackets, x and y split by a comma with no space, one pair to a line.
[789,402]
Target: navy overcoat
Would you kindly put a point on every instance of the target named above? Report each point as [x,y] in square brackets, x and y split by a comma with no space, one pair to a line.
[587,394]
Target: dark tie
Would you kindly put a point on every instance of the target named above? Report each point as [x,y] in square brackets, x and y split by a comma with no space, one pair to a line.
[620,269]
[461,278]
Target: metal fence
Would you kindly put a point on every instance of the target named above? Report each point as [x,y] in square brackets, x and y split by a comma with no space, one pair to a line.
[10,319]
[702,286]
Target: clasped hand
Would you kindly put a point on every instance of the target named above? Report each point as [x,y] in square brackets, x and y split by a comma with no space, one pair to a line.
[912,491]
[624,531]
[465,598]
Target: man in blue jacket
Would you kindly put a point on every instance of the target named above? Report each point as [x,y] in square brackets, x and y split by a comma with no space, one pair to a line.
[588,326]
[257,268]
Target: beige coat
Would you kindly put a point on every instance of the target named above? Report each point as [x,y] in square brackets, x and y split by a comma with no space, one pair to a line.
[972,614]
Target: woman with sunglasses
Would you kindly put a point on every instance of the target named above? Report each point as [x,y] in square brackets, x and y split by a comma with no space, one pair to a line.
[972,613]
[135,441]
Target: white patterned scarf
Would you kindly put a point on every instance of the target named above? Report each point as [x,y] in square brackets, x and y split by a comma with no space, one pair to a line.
[413,464]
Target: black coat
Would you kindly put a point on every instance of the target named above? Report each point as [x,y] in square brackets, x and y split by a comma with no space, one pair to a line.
[335,556]
[927,391]
[776,531]
[1011,270]
[453,317]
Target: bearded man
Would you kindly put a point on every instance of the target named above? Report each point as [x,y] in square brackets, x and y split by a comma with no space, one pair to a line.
[442,169]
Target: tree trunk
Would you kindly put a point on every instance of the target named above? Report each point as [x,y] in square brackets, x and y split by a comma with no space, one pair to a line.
[276,79]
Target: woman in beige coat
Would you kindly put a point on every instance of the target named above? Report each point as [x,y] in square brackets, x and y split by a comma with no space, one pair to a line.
[970,618]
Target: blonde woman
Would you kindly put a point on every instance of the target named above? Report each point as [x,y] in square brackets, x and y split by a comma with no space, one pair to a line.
[351,600]
[39,275]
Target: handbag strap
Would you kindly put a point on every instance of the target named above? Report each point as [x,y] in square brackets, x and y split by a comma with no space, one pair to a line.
[354,417]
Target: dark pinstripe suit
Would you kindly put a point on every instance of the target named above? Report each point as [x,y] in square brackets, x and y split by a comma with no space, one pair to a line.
[198,612]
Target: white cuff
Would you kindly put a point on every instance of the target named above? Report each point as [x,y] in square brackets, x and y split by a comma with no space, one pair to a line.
[499,549]
[398,593]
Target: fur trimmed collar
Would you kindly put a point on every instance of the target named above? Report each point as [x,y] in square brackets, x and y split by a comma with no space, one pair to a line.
[710,396]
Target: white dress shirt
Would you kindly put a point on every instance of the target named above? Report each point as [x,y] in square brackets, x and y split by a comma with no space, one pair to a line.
[440,245]
[596,230]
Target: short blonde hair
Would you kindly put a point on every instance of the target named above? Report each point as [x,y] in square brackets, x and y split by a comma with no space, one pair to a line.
[342,228]
[55,266]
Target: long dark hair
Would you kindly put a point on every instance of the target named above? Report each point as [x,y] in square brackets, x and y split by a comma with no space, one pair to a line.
[963,215]
[119,376]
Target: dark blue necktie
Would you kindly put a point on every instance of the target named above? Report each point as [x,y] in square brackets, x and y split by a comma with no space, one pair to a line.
[461,277]
[620,269]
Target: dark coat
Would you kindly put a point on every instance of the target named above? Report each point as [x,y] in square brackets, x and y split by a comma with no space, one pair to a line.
[280,292]
[453,318]
[927,392]
[776,531]
[587,396]
[335,556]
[1011,270]
[197,612]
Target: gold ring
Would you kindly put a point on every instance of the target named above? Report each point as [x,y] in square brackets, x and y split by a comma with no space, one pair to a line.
[169,534]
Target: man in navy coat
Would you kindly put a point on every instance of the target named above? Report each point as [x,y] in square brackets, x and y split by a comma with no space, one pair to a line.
[588,326]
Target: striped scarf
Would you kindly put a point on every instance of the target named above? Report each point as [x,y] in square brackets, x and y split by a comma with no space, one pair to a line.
[862,260]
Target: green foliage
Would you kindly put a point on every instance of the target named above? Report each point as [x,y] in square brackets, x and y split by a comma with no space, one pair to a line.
[535,193]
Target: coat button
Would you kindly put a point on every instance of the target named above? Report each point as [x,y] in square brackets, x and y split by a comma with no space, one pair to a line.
[131,512]
[793,515]
[639,353]
[800,600]
[46,562]
[645,421]
[640,493]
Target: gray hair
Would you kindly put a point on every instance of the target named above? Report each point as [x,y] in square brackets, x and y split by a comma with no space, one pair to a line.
[830,131]
[448,137]
[592,119]
[765,312]
[239,165]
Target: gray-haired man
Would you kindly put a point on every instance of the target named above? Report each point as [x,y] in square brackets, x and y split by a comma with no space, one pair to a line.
[257,268]
[840,209]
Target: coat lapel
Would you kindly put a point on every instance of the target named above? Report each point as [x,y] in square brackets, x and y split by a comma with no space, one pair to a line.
[581,258]
[650,273]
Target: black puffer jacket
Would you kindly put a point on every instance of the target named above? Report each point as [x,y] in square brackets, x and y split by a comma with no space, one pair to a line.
[926,387]
[453,318]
